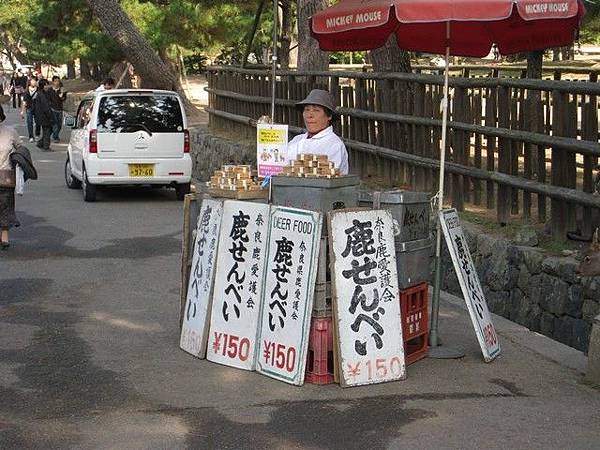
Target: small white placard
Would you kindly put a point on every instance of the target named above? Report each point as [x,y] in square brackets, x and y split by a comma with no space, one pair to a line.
[289,280]
[469,284]
[199,295]
[366,297]
[238,284]
[271,148]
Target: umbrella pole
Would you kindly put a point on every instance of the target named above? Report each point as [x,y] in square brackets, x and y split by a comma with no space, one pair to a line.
[436,351]
[274,58]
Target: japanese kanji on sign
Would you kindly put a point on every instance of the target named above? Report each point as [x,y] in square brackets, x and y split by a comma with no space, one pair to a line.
[289,282]
[271,148]
[238,284]
[366,302]
[469,284]
[199,296]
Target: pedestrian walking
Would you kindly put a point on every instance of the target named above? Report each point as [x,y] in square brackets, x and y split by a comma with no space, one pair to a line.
[43,114]
[20,87]
[8,219]
[56,97]
[27,109]
[13,89]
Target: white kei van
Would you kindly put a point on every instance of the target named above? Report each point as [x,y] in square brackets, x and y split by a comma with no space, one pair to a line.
[129,136]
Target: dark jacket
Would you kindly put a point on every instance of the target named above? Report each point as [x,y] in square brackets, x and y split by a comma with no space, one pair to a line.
[29,99]
[56,99]
[41,109]
[21,156]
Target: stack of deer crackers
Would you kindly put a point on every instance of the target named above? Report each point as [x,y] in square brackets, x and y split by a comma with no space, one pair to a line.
[308,165]
[233,178]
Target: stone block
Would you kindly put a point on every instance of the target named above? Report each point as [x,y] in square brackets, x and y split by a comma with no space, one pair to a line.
[563,329]
[591,287]
[575,301]
[524,278]
[533,259]
[485,244]
[534,291]
[498,302]
[527,237]
[554,295]
[564,268]
[534,317]
[580,335]
[590,309]
[519,307]
[592,375]
[547,324]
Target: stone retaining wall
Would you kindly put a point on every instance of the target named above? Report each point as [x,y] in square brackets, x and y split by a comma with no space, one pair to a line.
[210,151]
[526,285]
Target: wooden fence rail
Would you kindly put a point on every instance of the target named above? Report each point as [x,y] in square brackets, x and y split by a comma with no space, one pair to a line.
[526,148]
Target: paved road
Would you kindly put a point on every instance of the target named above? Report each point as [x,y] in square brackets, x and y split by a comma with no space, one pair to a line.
[89,355]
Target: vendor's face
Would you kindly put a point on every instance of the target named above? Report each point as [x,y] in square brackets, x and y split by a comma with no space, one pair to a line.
[316,118]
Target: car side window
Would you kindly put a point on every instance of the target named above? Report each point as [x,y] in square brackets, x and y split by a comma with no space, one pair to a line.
[83,113]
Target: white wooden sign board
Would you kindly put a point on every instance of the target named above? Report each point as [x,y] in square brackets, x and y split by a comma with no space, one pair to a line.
[289,280]
[238,286]
[194,329]
[366,298]
[469,284]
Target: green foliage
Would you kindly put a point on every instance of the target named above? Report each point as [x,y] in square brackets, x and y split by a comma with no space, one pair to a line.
[590,28]
[59,31]
[347,57]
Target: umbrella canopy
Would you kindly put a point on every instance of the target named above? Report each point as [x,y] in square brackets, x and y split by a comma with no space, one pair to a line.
[474,25]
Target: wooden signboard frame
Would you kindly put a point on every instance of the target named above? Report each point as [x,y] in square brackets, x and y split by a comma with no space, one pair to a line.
[238,288]
[289,280]
[469,284]
[197,310]
[377,354]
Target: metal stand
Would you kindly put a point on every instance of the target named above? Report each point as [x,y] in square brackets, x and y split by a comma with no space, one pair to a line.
[435,349]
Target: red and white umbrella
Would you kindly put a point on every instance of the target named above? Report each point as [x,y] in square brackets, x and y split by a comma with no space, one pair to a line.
[473,25]
[450,27]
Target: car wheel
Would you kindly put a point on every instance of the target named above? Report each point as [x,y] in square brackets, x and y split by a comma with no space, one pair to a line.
[89,190]
[181,190]
[70,180]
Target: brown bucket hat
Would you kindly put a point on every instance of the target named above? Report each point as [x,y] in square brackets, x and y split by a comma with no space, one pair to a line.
[318,97]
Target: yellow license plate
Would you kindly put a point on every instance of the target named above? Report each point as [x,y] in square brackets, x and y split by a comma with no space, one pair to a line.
[141,170]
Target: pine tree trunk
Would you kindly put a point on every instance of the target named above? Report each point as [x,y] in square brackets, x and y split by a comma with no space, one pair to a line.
[155,72]
[534,64]
[390,58]
[310,57]
[71,70]
[287,22]
[84,69]
[252,33]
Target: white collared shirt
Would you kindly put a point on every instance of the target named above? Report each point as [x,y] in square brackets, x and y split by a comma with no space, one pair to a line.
[325,142]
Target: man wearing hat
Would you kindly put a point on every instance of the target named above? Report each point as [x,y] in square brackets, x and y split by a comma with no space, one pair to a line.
[318,111]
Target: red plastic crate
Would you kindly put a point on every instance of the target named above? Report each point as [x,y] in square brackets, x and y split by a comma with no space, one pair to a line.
[415,321]
[319,363]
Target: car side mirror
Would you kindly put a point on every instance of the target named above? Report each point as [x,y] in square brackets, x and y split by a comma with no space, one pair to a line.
[69,121]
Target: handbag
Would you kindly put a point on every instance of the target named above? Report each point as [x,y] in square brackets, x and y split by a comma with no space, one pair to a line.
[7,178]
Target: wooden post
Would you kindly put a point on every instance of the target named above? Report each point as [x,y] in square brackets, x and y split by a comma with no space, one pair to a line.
[559,209]
[477,113]
[589,133]
[503,199]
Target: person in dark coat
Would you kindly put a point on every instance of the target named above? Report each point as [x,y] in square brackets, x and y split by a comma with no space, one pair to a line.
[56,97]
[27,110]
[43,114]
